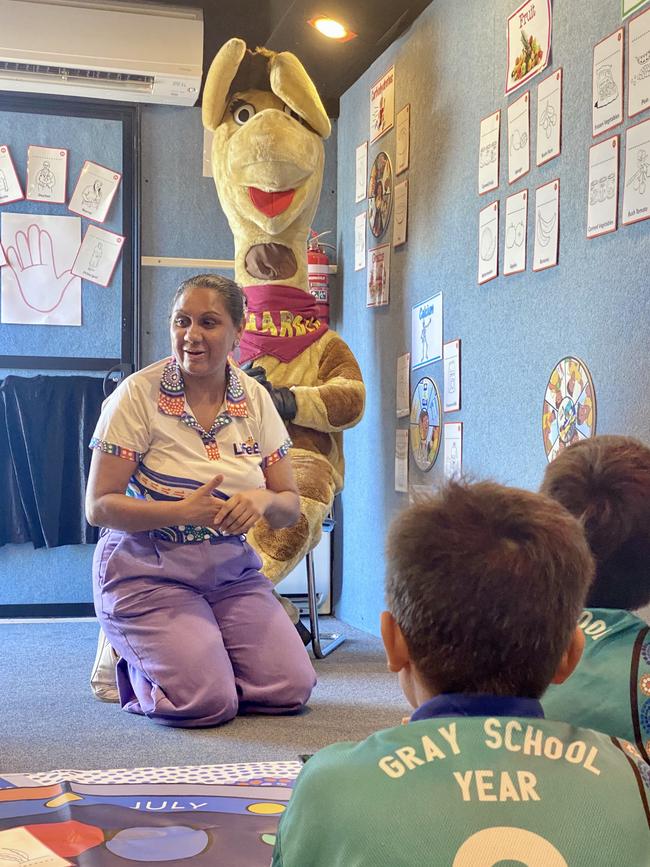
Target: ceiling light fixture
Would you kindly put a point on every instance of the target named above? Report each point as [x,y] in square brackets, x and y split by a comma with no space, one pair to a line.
[331,28]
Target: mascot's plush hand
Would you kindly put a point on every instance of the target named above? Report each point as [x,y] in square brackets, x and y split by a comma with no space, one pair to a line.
[283,398]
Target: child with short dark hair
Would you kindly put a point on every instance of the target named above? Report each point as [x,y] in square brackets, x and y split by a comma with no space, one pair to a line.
[605,482]
[484,585]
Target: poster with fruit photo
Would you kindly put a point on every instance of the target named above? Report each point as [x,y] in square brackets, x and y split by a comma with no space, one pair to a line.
[529,42]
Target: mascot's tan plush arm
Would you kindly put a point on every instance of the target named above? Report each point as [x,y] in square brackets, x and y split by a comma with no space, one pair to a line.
[339,402]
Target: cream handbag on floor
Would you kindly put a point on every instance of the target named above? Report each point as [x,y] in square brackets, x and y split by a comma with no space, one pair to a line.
[102,677]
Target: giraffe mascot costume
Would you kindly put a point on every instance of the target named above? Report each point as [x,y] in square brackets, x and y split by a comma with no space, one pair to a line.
[267,160]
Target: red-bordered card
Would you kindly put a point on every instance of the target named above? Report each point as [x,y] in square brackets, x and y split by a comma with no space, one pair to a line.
[94,191]
[47,174]
[98,255]
[10,189]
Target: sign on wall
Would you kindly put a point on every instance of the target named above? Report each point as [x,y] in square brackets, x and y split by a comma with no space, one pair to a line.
[529,42]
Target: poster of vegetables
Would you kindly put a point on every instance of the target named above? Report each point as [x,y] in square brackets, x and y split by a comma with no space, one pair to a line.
[529,42]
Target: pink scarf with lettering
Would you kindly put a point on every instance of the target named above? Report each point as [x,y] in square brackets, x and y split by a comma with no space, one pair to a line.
[281,321]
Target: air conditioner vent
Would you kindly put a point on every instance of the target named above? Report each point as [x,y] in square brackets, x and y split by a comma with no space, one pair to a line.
[39,72]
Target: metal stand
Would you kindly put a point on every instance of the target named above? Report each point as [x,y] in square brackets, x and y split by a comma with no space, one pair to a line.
[333,639]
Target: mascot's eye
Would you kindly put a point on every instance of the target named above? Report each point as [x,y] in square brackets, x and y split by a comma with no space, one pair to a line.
[293,114]
[242,112]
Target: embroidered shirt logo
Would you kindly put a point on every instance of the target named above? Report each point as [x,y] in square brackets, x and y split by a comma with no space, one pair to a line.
[250,447]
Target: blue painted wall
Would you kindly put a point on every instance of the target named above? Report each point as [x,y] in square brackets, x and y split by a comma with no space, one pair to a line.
[181,217]
[450,66]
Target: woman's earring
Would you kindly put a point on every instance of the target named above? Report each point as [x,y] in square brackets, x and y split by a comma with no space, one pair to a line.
[236,342]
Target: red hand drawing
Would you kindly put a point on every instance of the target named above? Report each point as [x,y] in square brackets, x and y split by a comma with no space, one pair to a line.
[33,266]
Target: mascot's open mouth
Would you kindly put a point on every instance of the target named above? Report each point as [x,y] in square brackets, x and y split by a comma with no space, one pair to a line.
[273,203]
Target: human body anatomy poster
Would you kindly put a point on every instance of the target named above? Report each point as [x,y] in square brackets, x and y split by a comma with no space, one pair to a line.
[488,248]
[453,446]
[519,138]
[547,226]
[607,83]
[426,331]
[514,256]
[98,255]
[360,242]
[638,64]
[361,172]
[382,105]
[529,42]
[400,220]
[488,157]
[10,189]
[636,195]
[603,187]
[549,118]
[378,276]
[403,139]
[451,364]
[38,286]
[402,461]
[47,173]
[94,192]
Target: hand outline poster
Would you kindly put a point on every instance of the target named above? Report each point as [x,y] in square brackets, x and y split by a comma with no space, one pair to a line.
[98,255]
[382,105]
[47,174]
[426,331]
[549,118]
[638,64]
[514,255]
[603,187]
[529,42]
[94,191]
[547,226]
[488,247]
[519,138]
[403,139]
[488,155]
[10,189]
[607,83]
[636,193]
[38,287]
[378,276]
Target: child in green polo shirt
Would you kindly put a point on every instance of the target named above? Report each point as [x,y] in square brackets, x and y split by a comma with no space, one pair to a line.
[485,585]
[605,482]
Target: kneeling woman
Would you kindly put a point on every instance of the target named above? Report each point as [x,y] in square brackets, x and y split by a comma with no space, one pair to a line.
[189,454]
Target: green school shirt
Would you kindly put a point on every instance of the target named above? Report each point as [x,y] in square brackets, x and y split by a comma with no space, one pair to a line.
[610,689]
[470,792]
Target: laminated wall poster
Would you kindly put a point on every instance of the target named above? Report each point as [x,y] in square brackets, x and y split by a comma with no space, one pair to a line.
[519,138]
[488,247]
[638,64]
[382,105]
[547,225]
[488,153]
[47,174]
[361,172]
[403,139]
[528,43]
[453,449]
[10,189]
[426,331]
[549,118]
[98,255]
[514,254]
[400,220]
[636,194]
[630,6]
[603,188]
[607,87]
[94,191]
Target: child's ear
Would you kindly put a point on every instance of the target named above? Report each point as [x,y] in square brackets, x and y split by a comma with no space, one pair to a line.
[397,654]
[571,656]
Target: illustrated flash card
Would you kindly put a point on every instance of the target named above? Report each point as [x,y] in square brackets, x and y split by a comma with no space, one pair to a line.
[10,189]
[402,461]
[360,242]
[47,173]
[361,172]
[488,157]
[400,222]
[426,331]
[638,64]
[453,445]
[603,188]
[519,138]
[403,139]
[607,89]
[636,195]
[547,226]
[514,256]
[403,390]
[488,248]
[451,363]
[630,6]
[378,276]
[98,255]
[549,118]
[94,192]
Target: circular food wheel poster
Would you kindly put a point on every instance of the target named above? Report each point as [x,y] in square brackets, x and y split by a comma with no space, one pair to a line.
[380,194]
[425,423]
[569,412]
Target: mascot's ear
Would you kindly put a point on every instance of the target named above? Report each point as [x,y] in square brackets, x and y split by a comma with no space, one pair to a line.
[217,85]
[289,81]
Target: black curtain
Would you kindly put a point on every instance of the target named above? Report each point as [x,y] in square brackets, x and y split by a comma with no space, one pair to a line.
[46,423]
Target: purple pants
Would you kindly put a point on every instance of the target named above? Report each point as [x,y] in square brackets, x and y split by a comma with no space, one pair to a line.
[200,634]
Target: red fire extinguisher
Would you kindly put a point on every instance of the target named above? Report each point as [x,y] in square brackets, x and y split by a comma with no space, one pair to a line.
[318,273]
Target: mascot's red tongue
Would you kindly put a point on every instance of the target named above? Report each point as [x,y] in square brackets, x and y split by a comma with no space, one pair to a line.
[273,203]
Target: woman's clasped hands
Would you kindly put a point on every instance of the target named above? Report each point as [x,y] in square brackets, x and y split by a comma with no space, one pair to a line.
[233,516]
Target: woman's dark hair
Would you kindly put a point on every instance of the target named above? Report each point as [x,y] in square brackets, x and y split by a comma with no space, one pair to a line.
[230,293]
[605,482]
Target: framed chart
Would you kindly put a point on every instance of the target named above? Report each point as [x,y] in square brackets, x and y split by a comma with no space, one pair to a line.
[569,411]
[425,423]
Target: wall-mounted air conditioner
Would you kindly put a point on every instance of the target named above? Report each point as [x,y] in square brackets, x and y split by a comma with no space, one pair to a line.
[138,52]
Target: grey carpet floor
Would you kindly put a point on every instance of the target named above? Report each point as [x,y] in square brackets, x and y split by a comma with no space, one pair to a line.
[51,721]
